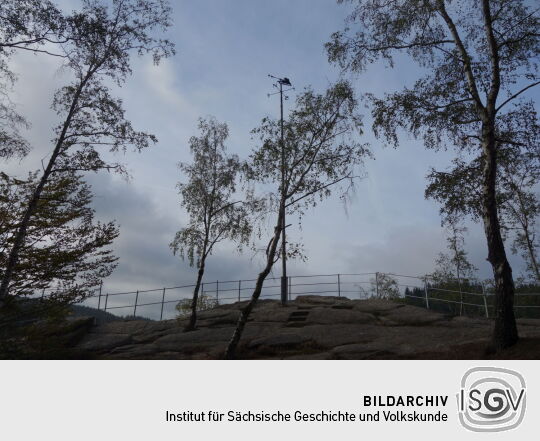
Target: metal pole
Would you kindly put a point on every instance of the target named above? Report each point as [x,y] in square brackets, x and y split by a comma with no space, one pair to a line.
[217,292]
[162,303]
[485,300]
[426,293]
[460,295]
[106,301]
[282,207]
[377,284]
[135,308]
[338,286]
[290,288]
[239,289]
[202,294]
[99,297]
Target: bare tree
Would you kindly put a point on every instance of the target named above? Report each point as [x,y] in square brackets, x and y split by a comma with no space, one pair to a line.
[102,38]
[480,59]
[321,154]
[208,198]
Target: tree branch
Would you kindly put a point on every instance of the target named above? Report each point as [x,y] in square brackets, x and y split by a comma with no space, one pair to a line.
[517,94]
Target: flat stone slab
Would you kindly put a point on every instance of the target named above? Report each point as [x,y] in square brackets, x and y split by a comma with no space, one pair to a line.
[320,300]
[411,316]
[329,316]
[376,306]
[310,327]
[104,342]
[280,341]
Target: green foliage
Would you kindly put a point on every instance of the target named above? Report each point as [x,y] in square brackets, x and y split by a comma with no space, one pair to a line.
[67,253]
[207,196]
[454,266]
[459,189]
[479,59]
[24,25]
[384,286]
[100,39]
[204,301]
[446,297]
[322,153]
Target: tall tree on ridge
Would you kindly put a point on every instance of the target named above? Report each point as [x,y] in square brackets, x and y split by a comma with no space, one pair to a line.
[208,198]
[481,58]
[67,253]
[321,155]
[102,38]
[459,189]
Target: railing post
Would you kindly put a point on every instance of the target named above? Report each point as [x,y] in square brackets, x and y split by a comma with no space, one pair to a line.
[426,292]
[377,284]
[290,288]
[99,297]
[338,286]
[106,301]
[202,293]
[239,290]
[162,303]
[485,300]
[284,283]
[135,307]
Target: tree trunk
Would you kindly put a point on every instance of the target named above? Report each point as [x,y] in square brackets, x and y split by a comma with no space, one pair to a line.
[505,330]
[193,317]
[230,353]
[20,237]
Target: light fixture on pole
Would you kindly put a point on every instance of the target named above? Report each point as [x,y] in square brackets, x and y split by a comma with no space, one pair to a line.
[282,82]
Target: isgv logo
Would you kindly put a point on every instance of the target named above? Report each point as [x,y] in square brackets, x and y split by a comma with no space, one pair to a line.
[491,399]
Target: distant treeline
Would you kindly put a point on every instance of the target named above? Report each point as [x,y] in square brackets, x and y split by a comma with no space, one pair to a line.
[448,298]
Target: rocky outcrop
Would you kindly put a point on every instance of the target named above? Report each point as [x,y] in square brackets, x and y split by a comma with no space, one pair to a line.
[311,327]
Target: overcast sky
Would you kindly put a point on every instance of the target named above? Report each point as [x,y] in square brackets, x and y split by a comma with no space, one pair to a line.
[225,50]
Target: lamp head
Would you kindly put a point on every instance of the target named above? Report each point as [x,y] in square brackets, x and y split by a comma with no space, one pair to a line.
[285,81]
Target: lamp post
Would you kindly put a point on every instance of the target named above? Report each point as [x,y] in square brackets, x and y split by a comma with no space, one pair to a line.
[282,82]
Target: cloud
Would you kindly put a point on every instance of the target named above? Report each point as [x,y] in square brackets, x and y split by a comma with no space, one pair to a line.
[225,51]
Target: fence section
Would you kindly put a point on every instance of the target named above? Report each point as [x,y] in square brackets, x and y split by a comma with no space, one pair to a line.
[461,299]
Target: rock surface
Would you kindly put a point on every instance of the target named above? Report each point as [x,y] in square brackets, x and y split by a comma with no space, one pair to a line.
[310,327]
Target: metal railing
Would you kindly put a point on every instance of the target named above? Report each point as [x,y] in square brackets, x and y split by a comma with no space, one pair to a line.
[227,291]
[160,303]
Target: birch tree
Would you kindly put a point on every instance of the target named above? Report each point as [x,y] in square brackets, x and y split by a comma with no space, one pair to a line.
[455,264]
[31,26]
[322,157]
[459,189]
[208,197]
[480,60]
[102,38]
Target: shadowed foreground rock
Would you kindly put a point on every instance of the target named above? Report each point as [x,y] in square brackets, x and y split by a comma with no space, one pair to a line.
[311,327]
